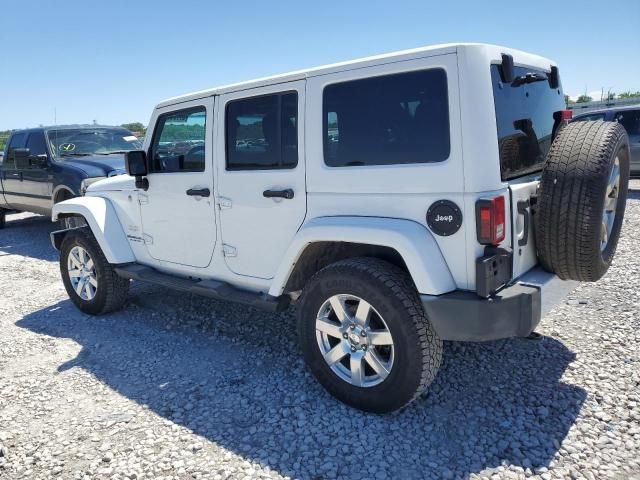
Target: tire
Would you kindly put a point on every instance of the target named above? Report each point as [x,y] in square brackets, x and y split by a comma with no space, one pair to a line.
[416,352]
[570,215]
[110,291]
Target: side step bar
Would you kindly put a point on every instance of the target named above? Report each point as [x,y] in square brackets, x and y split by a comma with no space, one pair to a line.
[207,288]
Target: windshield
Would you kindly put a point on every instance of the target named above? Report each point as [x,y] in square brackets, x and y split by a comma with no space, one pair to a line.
[91,141]
[525,119]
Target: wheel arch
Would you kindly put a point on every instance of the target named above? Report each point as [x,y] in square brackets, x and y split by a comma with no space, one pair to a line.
[62,193]
[325,240]
[103,221]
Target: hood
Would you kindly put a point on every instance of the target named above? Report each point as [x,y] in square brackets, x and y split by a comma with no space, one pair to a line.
[96,165]
[113,184]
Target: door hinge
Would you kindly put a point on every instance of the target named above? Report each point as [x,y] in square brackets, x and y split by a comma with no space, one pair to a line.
[148,239]
[143,199]
[224,202]
[229,251]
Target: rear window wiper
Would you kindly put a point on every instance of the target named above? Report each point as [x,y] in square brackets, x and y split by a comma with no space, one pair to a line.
[529,77]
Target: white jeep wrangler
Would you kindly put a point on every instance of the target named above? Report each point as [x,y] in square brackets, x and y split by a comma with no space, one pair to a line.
[400,200]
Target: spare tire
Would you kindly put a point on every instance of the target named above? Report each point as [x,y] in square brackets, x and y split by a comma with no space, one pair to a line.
[581,200]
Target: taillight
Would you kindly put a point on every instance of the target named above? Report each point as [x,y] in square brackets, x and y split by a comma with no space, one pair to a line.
[566,114]
[490,220]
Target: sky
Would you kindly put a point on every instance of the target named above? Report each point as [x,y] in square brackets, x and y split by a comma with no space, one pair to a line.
[111,61]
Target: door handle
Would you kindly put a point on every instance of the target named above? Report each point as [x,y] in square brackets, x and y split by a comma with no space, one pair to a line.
[286,193]
[523,209]
[199,192]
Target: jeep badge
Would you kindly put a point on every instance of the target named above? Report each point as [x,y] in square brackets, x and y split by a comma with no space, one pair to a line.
[444,218]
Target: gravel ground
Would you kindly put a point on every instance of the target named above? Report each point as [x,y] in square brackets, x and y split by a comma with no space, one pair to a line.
[177,386]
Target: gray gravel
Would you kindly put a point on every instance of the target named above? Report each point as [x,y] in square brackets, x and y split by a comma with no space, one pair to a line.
[177,386]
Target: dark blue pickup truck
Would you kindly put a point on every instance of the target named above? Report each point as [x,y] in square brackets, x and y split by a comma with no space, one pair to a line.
[43,166]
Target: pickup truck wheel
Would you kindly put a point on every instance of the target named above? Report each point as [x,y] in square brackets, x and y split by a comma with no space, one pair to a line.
[582,199]
[89,279]
[365,336]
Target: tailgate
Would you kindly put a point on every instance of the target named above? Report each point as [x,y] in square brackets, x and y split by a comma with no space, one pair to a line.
[524,247]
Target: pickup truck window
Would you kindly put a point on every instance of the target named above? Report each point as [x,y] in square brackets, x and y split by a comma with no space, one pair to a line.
[71,142]
[36,144]
[17,141]
[179,142]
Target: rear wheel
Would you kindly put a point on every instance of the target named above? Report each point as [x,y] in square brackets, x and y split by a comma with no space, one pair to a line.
[365,336]
[582,199]
[89,279]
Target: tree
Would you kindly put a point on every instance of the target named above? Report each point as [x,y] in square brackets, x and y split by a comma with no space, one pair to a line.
[629,94]
[134,127]
[584,99]
[568,101]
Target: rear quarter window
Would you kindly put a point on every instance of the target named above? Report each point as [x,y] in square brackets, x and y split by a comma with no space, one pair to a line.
[525,122]
[388,120]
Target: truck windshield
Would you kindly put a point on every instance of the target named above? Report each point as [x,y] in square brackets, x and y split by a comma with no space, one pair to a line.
[525,120]
[91,141]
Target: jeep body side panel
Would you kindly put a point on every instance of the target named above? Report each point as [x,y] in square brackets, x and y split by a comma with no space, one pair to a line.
[394,190]
[103,221]
[411,240]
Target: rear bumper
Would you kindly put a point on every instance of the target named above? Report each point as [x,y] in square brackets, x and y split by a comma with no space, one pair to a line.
[514,311]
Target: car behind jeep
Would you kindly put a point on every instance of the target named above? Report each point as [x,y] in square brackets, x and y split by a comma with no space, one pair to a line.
[46,165]
[399,201]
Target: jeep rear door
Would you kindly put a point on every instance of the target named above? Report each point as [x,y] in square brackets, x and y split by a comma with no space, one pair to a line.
[526,125]
[261,190]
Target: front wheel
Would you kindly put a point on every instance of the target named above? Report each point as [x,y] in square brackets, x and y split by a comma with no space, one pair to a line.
[92,284]
[365,336]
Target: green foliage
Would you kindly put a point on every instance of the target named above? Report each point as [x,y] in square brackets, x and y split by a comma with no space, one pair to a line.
[135,127]
[173,133]
[4,136]
[568,101]
[584,99]
[629,94]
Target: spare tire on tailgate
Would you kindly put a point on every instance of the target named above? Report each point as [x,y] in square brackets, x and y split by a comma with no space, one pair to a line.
[581,200]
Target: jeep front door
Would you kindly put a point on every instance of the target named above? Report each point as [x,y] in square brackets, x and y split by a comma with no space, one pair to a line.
[261,176]
[177,210]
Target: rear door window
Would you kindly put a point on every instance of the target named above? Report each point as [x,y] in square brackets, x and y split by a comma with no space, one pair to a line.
[17,141]
[525,121]
[590,118]
[262,132]
[630,120]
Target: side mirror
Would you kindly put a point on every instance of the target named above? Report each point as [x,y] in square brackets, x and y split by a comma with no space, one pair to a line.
[21,155]
[136,164]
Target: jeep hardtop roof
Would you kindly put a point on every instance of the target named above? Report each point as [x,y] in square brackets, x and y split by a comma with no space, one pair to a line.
[491,52]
